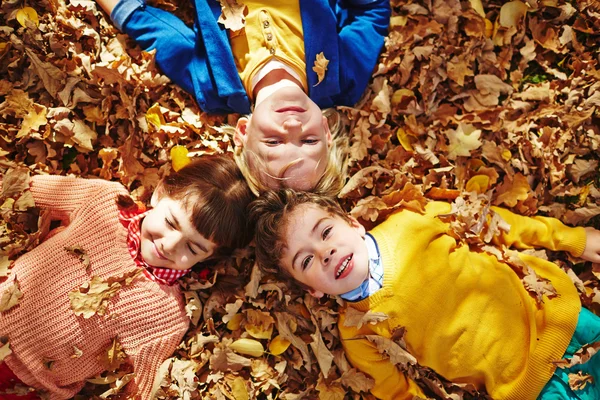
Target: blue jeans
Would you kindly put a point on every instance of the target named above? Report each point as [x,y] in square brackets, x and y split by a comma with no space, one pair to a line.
[586,332]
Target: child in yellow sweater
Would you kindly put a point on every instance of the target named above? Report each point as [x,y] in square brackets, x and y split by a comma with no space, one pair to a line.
[467,314]
[55,344]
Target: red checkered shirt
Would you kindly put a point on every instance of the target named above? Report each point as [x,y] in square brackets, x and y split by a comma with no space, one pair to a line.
[131,219]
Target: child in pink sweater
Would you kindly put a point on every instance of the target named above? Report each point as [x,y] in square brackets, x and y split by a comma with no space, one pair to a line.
[197,213]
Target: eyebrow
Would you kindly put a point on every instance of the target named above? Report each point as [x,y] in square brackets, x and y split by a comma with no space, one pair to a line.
[178,227]
[312,232]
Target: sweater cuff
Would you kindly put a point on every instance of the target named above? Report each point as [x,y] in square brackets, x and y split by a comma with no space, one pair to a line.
[575,241]
[123,10]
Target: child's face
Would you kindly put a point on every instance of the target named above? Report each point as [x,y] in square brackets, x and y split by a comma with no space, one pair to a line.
[324,251]
[168,238]
[289,133]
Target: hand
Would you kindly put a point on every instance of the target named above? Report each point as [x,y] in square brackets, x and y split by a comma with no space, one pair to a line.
[592,245]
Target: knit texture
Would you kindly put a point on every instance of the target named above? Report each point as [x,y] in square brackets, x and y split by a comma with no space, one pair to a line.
[148,318]
[467,315]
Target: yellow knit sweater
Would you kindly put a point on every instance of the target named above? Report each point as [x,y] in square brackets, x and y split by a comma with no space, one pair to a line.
[149,319]
[467,315]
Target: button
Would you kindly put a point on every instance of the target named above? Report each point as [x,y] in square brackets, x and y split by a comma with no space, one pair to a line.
[269,36]
[272,51]
[266,24]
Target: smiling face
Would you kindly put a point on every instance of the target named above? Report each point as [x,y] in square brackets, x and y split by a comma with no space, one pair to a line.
[290,135]
[168,238]
[324,251]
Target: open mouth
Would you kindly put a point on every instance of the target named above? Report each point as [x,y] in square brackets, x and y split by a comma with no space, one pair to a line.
[343,267]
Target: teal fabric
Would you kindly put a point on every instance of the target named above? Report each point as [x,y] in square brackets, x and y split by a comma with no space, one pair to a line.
[587,331]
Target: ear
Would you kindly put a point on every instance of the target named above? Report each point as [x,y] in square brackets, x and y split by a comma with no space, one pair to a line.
[241,131]
[328,136]
[358,226]
[316,293]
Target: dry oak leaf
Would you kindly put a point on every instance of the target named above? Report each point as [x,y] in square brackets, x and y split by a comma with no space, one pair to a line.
[356,318]
[4,264]
[10,297]
[333,391]
[52,78]
[320,67]
[224,359]
[511,191]
[397,355]
[462,141]
[92,297]
[538,286]
[357,381]
[580,380]
[232,15]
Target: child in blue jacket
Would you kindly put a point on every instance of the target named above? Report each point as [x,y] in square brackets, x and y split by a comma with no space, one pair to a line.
[267,66]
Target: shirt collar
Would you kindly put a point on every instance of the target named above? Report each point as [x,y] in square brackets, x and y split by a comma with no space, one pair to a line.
[375,280]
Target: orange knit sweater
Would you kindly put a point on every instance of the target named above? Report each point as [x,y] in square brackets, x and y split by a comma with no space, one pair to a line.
[148,318]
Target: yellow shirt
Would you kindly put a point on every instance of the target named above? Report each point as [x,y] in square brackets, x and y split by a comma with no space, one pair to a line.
[271,32]
[467,315]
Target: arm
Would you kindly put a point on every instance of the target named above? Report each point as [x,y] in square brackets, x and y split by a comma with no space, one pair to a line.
[62,195]
[362,26]
[199,61]
[550,233]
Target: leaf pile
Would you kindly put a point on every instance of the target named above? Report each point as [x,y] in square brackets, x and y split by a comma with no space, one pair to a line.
[499,99]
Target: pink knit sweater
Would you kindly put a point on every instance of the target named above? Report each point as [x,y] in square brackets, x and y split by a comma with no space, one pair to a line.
[148,318]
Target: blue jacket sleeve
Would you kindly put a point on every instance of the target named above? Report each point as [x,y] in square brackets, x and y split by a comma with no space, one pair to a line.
[182,55]
[362,25]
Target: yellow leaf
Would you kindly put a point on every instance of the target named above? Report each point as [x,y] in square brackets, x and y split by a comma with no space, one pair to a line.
[278,345]
[398,20]
[238,389]
[179,157]
[512,12]
[478,183]
[27,13]
[320,67]
[235,321]
[113,356]
[3,47]
[506,155]
[259,332]
[154,116]
[249,347]
[477,6]
[511,191]
[10,297]
[4,264]
[404,139]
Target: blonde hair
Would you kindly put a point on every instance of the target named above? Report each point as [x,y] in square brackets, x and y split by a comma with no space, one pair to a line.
[334,176]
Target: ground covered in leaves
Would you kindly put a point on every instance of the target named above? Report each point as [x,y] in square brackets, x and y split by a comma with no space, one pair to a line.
[499,100]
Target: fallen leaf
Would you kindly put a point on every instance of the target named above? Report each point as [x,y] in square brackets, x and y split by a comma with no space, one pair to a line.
[81,254]
[320,67]
[232,15]
[10,297]
[462,141]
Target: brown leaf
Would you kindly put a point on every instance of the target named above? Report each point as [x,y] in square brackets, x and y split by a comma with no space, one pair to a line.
[51,77]
[81,254]
[113,356]
[580,380]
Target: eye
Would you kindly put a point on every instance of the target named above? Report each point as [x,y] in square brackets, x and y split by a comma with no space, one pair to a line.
[171,224]
[191,250]
[305,262]
[326,233]
[310,141]
[272,142]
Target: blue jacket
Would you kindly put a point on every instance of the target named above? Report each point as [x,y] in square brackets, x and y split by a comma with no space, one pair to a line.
[200,60]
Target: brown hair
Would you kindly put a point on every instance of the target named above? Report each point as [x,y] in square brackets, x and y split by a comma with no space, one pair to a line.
[214,191]
[270,214]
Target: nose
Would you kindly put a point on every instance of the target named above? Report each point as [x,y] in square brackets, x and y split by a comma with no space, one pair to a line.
[328,255]
[170,242]
[292,125]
